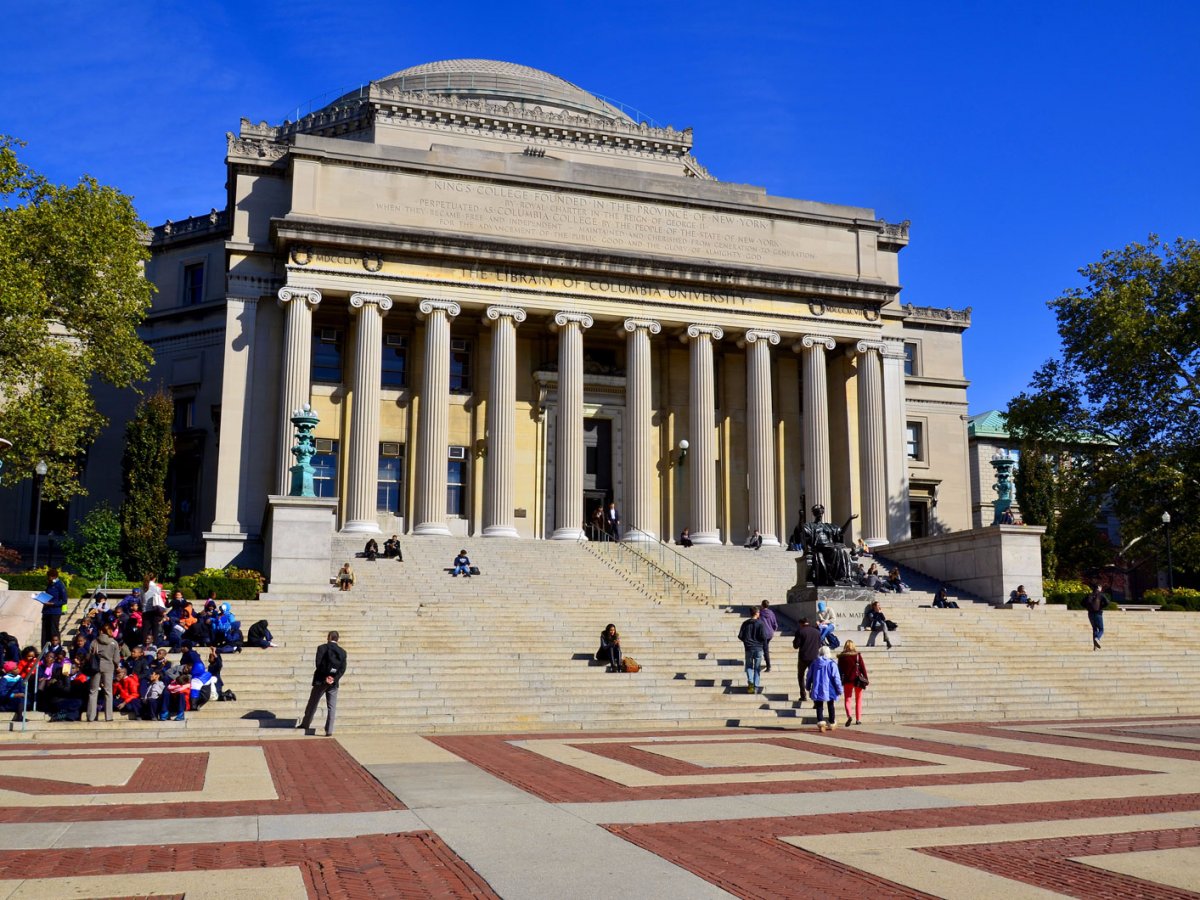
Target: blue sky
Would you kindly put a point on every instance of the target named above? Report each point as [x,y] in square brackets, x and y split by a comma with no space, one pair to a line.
[1021,139]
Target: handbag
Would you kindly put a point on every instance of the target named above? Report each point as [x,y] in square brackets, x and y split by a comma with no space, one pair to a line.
[860,677]
[629,664]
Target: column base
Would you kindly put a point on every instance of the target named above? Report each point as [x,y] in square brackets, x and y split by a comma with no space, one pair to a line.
[500,531]
[876,542]
[637,536]
[361,526]
[769,540]
[566,534]
[706,537]
[436,529]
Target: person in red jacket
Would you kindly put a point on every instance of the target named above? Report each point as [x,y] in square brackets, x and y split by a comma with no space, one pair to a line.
[853,670]
[127,691]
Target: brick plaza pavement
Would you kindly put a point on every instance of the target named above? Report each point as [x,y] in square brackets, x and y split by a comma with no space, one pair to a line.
[1078,809]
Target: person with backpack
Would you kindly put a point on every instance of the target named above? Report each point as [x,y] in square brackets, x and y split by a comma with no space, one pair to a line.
[770,628]
[610,648]
[1094,603]
[753,638]
[260,635]
[808,642]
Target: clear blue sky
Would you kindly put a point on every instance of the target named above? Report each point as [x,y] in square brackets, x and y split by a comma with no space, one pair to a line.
[1022,139]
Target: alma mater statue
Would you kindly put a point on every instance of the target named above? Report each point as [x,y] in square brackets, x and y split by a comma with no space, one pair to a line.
[825,550]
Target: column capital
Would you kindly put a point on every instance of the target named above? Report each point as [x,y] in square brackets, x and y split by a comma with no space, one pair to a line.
[311,296]
[632,325]
[583,320]
[808,341]
[755,334]
[494,313]
[383,301]
[429,306]
[716,332]
[868,346]
[893,348]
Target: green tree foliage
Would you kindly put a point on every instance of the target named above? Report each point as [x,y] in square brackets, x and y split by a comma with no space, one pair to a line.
[72,295]
[1130,372]
[94,551]
[144,513]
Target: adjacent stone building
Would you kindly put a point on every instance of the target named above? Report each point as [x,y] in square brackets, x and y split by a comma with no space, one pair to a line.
[509,303]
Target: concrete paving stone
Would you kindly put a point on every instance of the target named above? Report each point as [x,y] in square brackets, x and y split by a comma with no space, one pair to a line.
[421,786]
[336,825]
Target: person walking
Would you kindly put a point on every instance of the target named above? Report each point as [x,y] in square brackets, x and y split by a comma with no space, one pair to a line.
[753,639]
[824,686]
[770,629]
[327,676]
[877,622]
[52,609]
[107,653]
[808,642]
[853,670]
[1094,603]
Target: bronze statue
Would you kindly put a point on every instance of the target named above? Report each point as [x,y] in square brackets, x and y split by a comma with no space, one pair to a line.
[825,551]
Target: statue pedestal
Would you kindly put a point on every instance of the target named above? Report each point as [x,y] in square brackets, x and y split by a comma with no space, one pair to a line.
[847,602]
[298,544]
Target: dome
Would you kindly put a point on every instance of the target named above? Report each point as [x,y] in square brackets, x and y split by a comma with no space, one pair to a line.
[501,83]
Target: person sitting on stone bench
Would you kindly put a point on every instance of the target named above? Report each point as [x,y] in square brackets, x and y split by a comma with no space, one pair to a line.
[391,549]
[371,551]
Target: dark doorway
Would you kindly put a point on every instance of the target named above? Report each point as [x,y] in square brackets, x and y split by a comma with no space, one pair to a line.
[597,473]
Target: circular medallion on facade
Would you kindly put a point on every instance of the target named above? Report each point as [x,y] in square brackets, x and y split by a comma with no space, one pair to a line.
[301,256]
[372,262]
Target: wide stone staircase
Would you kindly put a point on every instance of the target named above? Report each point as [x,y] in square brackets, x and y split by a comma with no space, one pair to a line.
[510,650]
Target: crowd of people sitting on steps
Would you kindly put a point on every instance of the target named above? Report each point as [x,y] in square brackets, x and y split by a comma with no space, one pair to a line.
[119,656]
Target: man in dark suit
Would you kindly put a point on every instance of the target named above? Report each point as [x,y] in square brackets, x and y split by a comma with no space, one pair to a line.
[331,666]
[808,642]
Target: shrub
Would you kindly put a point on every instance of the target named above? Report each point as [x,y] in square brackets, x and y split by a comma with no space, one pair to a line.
[97,548]
[10,559]
[226,588]
[144,512]
[35,580]
[1187,598]
[1068,593]
[1171,607]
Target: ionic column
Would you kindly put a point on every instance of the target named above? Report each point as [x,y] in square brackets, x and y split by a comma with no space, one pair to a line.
[298,304]
[702,482]
[639,507]
[568,460]
[760,444]
[429,508]
[501,422]
[815,393]
[872,460]
[363,487]
[894,442]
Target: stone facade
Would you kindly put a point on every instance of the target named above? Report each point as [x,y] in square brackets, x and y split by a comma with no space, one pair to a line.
[508,302]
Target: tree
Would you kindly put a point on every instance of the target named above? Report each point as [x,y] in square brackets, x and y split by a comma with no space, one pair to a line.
[72,294]
[144,512]
[95,549]
[1129,377]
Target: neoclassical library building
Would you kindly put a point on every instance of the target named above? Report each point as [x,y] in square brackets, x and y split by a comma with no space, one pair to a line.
[510,303]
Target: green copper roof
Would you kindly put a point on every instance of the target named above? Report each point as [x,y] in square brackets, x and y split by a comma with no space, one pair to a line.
[988,424]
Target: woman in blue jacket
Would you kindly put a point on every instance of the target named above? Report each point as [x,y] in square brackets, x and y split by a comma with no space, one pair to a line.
[52,610]
[824,685]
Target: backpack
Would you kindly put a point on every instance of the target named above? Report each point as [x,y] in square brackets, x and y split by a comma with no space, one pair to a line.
[228,695]
[832,641]
[629,664]
[204,696]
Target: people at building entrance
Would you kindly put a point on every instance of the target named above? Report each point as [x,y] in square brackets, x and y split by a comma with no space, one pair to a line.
[462,564]
[595,527]
[685,538]
[824,684]
[391,548]
[345,577]
[612,521]
[754,542]
[610,648]
[371,551]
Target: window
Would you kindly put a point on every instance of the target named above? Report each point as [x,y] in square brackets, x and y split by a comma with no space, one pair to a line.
[325,468]
[915,440]
[193,284]
[395,362]
[460,367]
[185,414]
[391,477]
[327,356]
[456,482]
[918,519]
[910,358]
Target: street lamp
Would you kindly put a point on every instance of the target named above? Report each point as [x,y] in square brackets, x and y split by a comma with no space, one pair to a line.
[1166,520]
[40,469]
[683,449]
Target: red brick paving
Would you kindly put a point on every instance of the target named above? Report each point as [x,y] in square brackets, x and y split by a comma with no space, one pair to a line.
[1070,740]
[417,864]
[176,772]
[557,782]
[665,765]
[1047,863]
[746,858]
[310,775]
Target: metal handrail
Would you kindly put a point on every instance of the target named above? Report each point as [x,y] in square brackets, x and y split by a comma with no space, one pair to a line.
[670,564]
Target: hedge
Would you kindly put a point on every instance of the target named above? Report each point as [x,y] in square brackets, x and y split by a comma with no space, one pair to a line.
[226,588]
[35,581]
[1184,598]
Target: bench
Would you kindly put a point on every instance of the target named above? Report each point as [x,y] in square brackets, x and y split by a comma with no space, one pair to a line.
[1140,607]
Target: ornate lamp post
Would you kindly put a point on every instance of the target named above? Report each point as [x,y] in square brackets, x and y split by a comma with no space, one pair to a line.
[1003,486]
[305,420]
[40,471]
[1166,520]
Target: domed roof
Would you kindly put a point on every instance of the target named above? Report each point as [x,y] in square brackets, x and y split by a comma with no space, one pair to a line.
[501,83]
